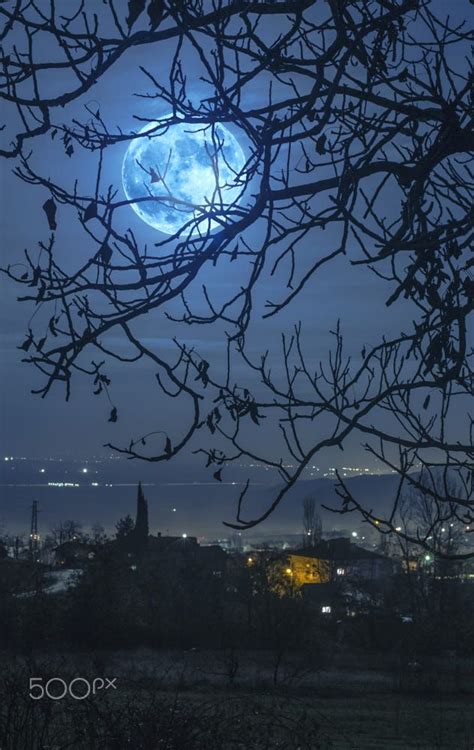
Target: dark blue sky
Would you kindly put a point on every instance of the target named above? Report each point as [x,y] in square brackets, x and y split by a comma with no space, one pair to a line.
[34,427]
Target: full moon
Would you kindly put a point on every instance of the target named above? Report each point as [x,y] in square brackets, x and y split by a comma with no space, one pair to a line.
[181,173]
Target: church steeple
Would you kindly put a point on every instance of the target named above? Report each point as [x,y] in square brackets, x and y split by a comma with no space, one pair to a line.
[141,521]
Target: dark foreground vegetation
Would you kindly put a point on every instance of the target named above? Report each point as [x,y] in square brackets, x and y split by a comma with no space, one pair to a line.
[177,700]
[235,652]
[235,663]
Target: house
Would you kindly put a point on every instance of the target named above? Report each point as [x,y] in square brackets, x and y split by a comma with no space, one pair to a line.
[170,554]
[336,560]
[185,554]
[324,599]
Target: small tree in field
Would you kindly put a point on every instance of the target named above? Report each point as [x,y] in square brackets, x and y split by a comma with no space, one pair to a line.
[124,527]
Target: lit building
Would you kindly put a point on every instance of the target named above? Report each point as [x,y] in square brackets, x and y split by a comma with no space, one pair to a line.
[336,560]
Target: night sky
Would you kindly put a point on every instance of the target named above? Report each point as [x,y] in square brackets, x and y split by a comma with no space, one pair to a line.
[32,426]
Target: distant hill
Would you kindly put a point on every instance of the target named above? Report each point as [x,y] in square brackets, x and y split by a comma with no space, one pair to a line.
[375,492]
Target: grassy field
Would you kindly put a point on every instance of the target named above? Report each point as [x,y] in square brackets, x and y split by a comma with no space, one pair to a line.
[397,723]
[370,722]
[156,708]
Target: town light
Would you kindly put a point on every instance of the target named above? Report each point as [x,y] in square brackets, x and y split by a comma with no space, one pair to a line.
[185,536]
